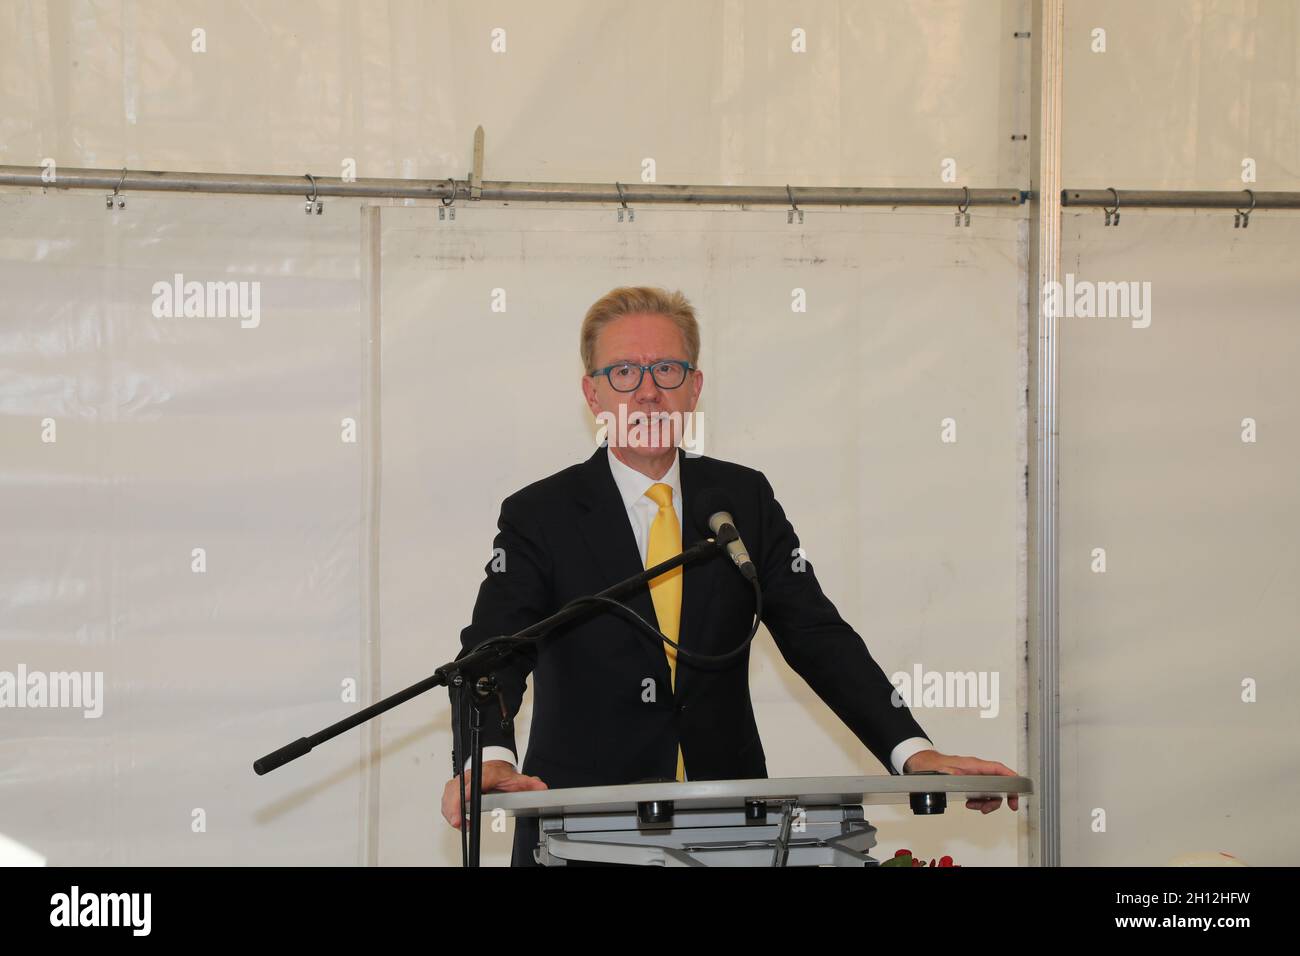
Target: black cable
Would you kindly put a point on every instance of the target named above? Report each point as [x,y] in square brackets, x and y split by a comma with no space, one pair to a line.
[654,633]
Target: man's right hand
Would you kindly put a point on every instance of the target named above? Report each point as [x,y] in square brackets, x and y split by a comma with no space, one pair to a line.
[498,775]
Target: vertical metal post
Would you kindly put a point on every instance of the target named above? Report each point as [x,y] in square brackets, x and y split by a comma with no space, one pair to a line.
[372,448]
[1045,268]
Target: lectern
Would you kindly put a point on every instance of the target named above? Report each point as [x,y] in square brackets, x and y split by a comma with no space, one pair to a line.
[791,821]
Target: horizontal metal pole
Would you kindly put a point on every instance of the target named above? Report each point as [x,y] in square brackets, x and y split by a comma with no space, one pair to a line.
[1179,199]
[504,190]
[153,181]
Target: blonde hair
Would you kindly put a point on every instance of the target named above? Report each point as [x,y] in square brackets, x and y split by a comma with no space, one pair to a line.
[633,300]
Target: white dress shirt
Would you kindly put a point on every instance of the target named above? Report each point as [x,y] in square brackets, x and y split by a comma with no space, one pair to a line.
[641,512]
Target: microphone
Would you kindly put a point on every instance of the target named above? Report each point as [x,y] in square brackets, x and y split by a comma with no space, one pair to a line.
[712,514]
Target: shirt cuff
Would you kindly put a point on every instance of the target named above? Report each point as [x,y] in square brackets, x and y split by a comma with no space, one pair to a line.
[912,745]
[496,753]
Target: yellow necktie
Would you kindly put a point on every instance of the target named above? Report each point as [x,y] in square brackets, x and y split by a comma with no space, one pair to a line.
[666,590]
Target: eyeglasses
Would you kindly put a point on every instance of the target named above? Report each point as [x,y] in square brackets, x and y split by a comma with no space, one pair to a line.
[627,376]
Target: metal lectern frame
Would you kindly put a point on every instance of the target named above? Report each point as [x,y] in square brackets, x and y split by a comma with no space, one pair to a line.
[801,821]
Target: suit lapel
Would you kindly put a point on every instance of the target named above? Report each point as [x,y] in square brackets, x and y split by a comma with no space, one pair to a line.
[608,534]
[605,526]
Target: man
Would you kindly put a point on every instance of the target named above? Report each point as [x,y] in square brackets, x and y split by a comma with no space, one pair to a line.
[610,706]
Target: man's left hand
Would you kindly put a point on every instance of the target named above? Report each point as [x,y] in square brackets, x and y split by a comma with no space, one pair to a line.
[947,763]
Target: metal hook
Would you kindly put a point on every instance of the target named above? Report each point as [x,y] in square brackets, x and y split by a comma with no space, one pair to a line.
[1112,215]
[312,201]
[962,218]
[1242,218]
[448,201]
[789,213]
[121,200]
[631,213]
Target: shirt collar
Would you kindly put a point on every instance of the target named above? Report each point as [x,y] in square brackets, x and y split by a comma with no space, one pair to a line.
[633,485]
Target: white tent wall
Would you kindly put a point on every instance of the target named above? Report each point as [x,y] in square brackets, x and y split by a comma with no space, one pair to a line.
[1160,754]
[171,430]
[1178,547]
[180,514]
[1176,94]
[568,90]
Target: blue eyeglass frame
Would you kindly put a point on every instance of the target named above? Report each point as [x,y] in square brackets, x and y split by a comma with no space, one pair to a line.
[686,367]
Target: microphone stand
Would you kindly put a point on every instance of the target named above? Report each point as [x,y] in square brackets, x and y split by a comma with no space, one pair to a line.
[476,672]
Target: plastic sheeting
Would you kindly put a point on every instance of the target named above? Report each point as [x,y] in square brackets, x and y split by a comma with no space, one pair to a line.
[1181,94]
[569,90]
[1160,756]
[1179,559]
[131,440]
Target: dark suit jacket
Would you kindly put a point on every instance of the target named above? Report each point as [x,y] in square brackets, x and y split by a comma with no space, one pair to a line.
[569,535]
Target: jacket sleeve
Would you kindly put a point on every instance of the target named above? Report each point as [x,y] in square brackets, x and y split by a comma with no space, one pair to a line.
[824,650]
[516,592]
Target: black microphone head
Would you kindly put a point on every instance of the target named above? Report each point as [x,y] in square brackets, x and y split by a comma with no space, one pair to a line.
[705,504]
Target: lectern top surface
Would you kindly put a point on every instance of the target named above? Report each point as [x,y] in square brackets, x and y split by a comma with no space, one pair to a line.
[717,794]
